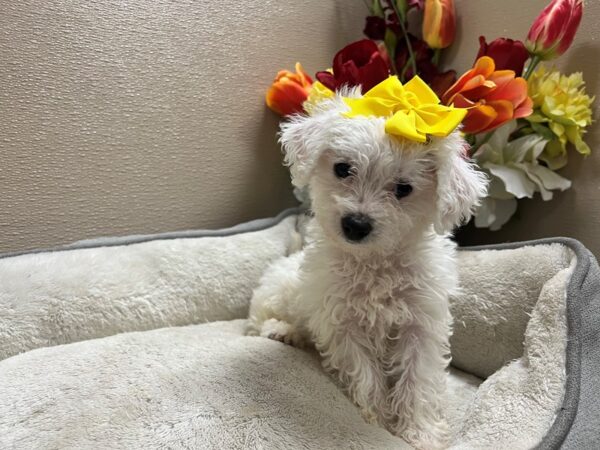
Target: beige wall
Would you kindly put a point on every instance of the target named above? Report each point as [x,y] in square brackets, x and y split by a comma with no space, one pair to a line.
[148,115]
[576,212]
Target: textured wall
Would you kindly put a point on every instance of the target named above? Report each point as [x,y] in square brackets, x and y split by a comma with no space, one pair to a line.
[576,212]
[145,116]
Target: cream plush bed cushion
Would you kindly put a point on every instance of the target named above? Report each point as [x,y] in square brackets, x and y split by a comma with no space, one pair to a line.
[103,346]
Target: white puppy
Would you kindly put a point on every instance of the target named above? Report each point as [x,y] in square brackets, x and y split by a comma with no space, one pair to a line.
[371,289]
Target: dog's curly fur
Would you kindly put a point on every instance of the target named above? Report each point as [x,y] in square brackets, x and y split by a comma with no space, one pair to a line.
[376,310]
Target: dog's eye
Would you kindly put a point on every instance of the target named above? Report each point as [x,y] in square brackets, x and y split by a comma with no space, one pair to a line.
[342,170]
[402,190]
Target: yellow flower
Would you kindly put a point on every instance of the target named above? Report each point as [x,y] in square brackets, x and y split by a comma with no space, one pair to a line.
[413,111]
[317,94]
[561,103]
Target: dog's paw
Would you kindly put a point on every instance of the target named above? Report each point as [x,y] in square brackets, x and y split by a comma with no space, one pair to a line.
[436,437]
[369,416]
[281,331]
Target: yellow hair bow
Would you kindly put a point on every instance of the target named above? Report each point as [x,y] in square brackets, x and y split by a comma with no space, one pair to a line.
[413,109]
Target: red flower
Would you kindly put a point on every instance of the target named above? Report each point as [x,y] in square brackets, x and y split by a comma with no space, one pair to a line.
[429,72]
[439,82]
[553,31]
[506,53]
[421,50]
[357,64]
[375,28]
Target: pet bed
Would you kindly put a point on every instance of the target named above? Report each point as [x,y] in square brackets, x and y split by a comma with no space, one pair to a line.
[138,343]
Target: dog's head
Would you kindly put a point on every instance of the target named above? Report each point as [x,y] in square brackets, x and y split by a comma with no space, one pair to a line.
[371,191]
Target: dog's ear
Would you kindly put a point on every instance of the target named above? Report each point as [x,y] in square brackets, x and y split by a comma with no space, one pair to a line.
[302,138]
[460,185]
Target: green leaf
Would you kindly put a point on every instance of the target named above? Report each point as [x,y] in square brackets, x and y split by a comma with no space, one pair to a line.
[402,6]
[526,130]
[555,155]
[537,116]
[390,39]
[376,9]
[543,131]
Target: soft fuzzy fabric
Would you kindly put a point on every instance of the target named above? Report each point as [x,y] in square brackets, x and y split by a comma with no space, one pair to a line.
[207,386]
[67,296]
[516,405]
[203,386]
[499,292]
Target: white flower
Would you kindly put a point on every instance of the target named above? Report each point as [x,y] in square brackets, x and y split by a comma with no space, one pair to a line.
[514,173]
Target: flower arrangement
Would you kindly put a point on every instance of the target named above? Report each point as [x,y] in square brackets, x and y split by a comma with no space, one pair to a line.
[520,117]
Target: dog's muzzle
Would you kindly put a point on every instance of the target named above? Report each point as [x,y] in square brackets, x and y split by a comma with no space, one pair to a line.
[356,227]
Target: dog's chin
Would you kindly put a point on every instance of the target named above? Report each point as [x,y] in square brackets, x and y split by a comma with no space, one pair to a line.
[367,246]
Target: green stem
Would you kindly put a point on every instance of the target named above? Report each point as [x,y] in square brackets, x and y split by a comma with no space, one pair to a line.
[392,55]
[531,67]
[405,68]
[411,54]
[436,56]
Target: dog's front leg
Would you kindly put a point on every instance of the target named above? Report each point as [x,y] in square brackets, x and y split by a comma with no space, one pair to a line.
[417,366]
[347,354]
[273,305]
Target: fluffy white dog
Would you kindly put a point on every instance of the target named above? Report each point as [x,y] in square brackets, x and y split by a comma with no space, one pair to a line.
[371,288]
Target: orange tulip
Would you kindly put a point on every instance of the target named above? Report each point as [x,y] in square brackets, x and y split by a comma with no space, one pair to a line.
[493,96]
[289,91]
[439,23]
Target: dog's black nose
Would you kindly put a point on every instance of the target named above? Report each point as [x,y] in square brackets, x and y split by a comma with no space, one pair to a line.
[356,227]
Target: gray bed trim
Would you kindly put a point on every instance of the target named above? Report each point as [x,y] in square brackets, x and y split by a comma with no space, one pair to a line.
[574,410]
[253,225]
[576,424]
